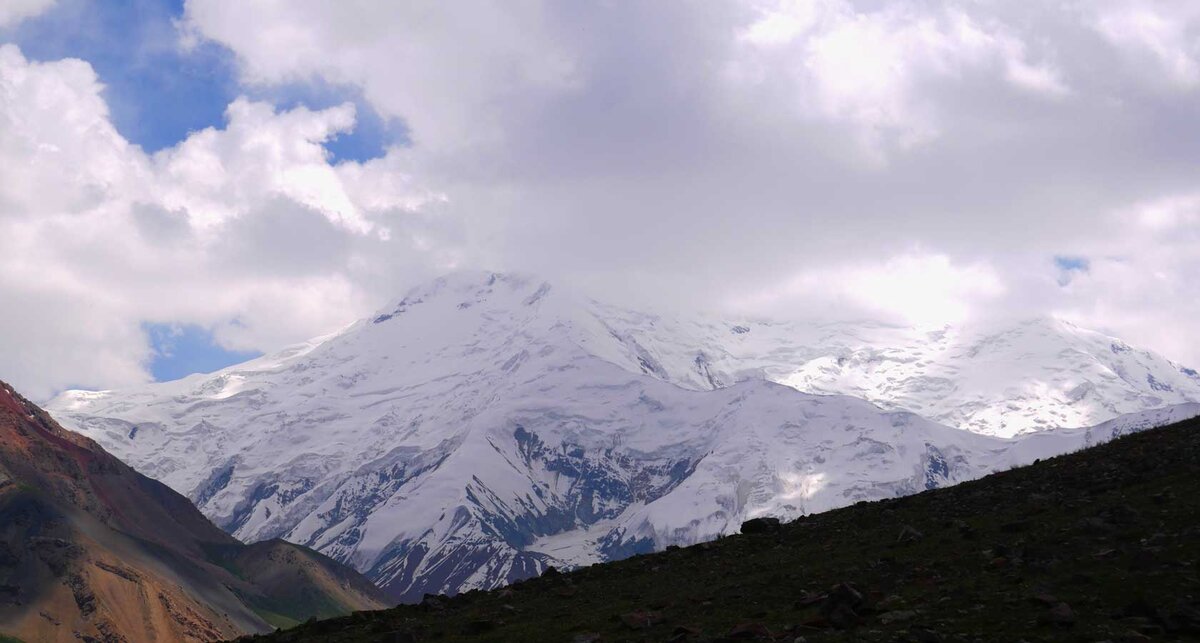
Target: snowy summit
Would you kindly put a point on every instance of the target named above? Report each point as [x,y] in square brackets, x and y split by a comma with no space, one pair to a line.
[487,426]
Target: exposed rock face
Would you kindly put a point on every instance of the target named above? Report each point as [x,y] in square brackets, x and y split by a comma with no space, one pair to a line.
[92,550]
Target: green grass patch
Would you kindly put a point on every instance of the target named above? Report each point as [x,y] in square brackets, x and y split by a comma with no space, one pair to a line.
[277,620]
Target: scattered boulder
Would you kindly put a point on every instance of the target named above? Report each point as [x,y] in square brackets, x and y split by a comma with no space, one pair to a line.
[1060,615]
[808,598]
[890,602]
[641,619]
[909,534]
[433,602]
[685,633]
[843,606]
[897,616]
[764,525]
[1044,599]
[919,634]
[750,632]
[842,616]
[846,594]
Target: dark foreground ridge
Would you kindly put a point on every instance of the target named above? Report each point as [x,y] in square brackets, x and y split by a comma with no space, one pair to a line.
[1098,545]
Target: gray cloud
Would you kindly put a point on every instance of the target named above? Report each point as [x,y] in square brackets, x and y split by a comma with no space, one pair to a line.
[918,161]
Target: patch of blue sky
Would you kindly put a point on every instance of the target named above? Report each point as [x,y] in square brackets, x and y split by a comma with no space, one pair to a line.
[372,135]
[158,92]
[1068,266]
[183,349]
[1072,263]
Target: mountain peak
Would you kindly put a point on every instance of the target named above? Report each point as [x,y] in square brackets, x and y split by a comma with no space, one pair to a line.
[469,288]
[487,425]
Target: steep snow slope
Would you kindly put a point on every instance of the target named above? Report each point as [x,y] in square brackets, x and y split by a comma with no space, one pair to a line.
[486,426]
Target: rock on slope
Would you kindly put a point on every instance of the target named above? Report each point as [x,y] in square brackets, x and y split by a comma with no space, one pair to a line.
[92,550]
[486,426]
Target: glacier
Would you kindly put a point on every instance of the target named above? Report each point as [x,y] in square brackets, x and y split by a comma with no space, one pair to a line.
[487,426]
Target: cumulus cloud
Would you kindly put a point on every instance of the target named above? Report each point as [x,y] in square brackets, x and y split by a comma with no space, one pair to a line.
[246,229]
[922,162]
[758,145]
[1144,284]
[445,68]
[868,67]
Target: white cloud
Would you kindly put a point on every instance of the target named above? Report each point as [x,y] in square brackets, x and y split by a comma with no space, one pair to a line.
[872,68]
[1165,34]
[14,11]
[652,151]
[217,174]
[245,229]
[1144,285]
[916,288]
[445,68]
[45,109]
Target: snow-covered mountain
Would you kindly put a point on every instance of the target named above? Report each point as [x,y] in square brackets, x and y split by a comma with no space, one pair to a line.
[486,426]
[994,380]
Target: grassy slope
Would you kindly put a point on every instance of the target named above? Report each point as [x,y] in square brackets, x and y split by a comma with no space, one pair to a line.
[1107,538]
[297,583]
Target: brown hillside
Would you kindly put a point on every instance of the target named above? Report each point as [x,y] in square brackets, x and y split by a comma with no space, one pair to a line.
[92,550]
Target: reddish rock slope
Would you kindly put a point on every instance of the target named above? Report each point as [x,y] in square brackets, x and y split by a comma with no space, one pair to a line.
[92,550]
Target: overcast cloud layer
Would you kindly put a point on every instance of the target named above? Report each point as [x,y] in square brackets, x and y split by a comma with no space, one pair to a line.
[922,162]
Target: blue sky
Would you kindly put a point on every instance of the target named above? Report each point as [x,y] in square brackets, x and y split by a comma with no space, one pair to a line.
[1068,266]
[181,350]
[158,93]
[155,92]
